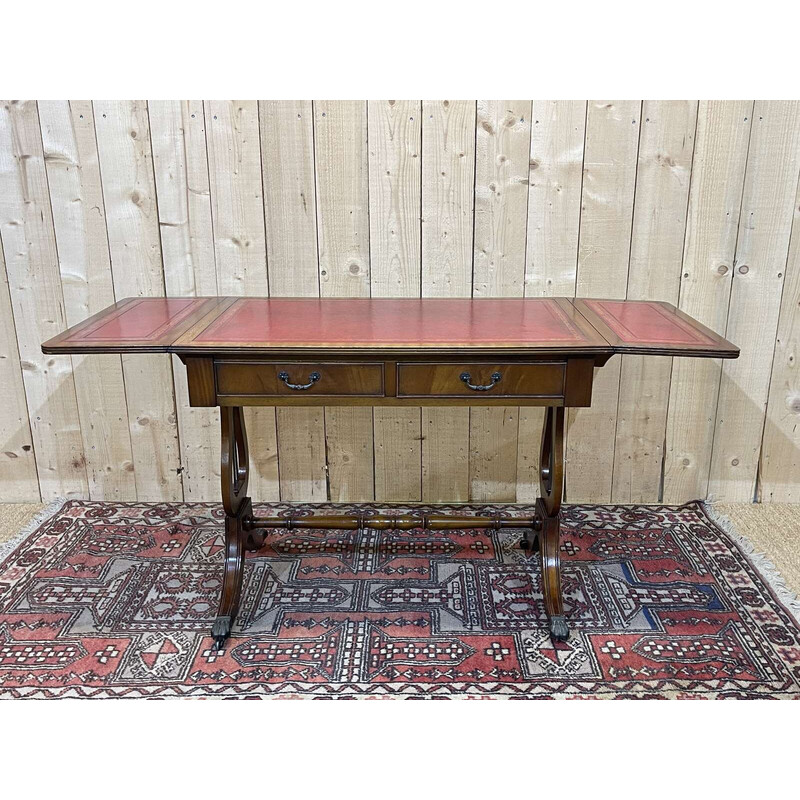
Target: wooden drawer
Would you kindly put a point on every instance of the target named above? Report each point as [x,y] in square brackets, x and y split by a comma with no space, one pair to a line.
[541,379]
[277,379]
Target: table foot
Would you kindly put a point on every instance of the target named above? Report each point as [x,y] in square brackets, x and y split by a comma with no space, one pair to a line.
[558,628]
[254,541]
[529,542]
[220,631]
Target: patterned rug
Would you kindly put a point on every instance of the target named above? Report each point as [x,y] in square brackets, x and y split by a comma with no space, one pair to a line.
[116,600]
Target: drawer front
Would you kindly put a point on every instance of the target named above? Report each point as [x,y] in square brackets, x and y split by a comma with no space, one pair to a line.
[543,379]
[298,379]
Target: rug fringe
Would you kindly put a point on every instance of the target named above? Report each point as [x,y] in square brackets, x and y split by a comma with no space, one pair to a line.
[768,571]
[6,548]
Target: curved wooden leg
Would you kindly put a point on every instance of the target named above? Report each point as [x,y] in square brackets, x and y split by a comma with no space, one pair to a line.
[238,511]
[548,507]
[235,538]
[551,573]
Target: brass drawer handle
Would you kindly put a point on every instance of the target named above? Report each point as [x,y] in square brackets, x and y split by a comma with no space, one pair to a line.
[312,379]
[496,376]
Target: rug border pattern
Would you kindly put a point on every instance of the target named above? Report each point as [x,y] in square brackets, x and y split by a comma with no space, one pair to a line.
[761,566]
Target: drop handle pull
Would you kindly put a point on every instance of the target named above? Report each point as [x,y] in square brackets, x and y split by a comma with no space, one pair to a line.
[312,379]
[466,377]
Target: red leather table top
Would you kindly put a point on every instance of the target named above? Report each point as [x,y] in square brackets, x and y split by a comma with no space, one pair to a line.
[144,324]
[234,325]
[141,320]
[647,323]
[395,323]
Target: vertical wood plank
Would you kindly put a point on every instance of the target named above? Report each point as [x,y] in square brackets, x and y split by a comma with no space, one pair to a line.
[350,454]
[554,197]
[180,160]
[398,455]
[779,473]
[19,482]
[341,159]
[448,162]
[551,254]
[770,187]
[659,223]
[493,453]
[445,455]
[237,210]
[349,440]
[448,181]
[28,241]
[394,135]
[76,200]
[91,206]
[301,454]
[502,154]
[340,131]
[715,197]
[394,131]
[126,168]
[502,148]
[609,178]
[290,208]
[529,436]
[287,162]
[237,213]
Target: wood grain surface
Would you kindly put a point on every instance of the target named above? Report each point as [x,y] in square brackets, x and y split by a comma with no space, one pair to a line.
[645,199]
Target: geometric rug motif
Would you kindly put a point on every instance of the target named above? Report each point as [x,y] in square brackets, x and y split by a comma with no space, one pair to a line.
[117,600]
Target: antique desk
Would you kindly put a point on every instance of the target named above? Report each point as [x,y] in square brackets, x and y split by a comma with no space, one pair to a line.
[460,352]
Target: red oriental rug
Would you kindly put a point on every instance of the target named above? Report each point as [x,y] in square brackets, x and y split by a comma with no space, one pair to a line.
[116,600]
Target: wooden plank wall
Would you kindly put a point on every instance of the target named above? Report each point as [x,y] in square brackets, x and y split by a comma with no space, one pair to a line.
[694,203]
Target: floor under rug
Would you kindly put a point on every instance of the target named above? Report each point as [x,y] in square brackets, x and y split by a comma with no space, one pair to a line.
[117,600]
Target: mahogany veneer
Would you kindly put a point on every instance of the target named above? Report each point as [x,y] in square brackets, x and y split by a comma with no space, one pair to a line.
[298,351]
[271,379]
[463,379]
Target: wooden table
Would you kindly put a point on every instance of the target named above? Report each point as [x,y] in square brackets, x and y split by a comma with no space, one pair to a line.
[386,352]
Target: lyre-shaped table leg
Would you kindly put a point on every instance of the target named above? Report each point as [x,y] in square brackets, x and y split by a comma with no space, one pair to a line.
[238,510]
[547,529]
